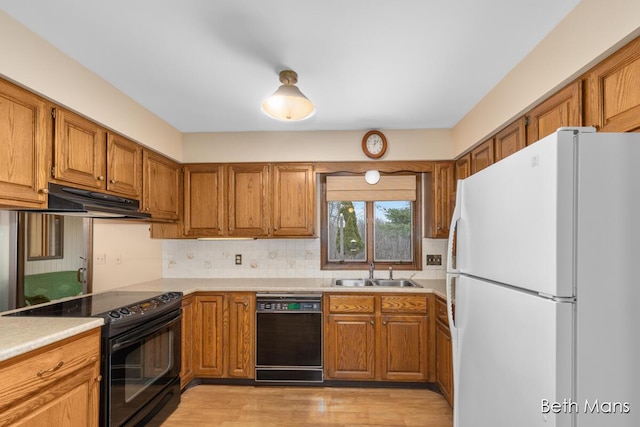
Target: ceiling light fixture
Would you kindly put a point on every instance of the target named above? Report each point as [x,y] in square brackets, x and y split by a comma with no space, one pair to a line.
[288,103]
[372,177]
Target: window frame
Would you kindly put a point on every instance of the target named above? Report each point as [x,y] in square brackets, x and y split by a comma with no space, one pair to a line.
[416,234]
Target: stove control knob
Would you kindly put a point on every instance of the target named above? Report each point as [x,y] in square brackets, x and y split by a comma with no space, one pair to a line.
[165,297]
[125,311]
[114,315]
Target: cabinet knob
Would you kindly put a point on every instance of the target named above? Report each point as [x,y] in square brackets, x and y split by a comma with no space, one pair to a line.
[43,191]
[385,322]
[371,321]
[100,178]
[113,181]
[99,378]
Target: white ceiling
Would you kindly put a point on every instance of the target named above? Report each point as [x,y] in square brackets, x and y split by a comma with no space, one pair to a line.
[207,65]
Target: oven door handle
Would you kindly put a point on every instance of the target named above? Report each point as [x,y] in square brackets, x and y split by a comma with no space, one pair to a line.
[134,337]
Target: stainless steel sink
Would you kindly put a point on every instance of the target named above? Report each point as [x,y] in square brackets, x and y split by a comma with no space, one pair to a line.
[352,282]
[394,283]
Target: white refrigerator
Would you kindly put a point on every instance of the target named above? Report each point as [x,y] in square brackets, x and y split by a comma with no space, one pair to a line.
[546,285]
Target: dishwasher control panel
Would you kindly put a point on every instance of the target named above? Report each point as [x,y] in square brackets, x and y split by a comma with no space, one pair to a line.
[288,303]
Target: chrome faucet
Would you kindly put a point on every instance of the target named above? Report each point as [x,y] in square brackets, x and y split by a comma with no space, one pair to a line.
[390,273]
[371,268]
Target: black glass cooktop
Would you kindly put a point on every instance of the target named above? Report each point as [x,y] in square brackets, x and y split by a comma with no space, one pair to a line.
[94,305]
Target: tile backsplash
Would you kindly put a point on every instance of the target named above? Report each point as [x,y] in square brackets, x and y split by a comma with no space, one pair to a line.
[269,258]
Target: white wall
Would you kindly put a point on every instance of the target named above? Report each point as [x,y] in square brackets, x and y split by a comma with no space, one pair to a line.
[141,256]
[31,61]
[592,31]
[421,144]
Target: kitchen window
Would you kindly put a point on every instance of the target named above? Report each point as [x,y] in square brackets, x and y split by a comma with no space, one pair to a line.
[364,223]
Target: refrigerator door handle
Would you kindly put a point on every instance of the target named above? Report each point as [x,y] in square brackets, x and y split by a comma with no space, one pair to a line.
[452,326]
[452,230]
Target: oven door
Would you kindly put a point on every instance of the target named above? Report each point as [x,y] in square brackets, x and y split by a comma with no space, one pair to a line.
[144,362]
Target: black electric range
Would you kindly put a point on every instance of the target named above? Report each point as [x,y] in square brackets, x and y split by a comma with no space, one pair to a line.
[120,310]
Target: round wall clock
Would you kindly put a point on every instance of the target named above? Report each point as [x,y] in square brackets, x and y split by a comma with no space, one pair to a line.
[374,144]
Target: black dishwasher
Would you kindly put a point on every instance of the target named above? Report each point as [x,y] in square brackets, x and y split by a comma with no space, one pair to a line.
[289,338]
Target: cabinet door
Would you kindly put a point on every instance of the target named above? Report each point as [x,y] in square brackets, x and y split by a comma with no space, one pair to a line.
[482,156]
[403,348]
[350,347]
[23,136]
[444,361]
[293,200]
[614,85]
[124,166]
[56,385]
[463,166]
[241,337]
[208,350]
[204,201]
[562,109]
[510,139]
[248,198]
[188,323]
[440,203]
[80,147]
[161,186]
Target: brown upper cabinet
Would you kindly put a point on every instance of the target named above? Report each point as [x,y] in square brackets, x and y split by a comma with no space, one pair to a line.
[23,148]
[161,186]
[293,200]
[87,155]
[510,139]
[564,108]
[124,166]
[248,199]
[463,167]
[204,208]
[79,150]
[440,199]
[482,156]
[614,91]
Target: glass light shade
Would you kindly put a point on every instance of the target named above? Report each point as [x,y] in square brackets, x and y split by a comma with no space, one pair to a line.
[288,104]
[372,177]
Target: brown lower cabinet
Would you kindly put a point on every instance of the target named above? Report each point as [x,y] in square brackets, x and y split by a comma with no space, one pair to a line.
[188,323]
[381,337]
[444,351]
[55,385]
[223,336]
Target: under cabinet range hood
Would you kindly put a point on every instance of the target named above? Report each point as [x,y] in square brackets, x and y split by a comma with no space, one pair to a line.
[65,200]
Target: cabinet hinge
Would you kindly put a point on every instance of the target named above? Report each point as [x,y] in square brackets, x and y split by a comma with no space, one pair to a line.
[526,121]
[53,172]
[53,113]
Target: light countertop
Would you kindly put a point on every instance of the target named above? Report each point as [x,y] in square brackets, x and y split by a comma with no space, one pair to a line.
[188,286]
[20,335]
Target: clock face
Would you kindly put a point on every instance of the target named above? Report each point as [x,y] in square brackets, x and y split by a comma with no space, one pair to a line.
[374,144]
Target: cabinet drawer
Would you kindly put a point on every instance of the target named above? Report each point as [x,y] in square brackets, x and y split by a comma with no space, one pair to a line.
[33,372]
[404,304]
[351,303]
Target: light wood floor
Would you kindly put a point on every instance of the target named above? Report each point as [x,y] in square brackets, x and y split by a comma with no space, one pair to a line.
[247,406]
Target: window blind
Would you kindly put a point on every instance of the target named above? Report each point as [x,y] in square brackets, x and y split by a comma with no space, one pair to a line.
[392,187]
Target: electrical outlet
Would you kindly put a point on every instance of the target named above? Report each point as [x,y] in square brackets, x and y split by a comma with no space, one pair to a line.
[238,259]
[434,259]
[101,258]
[118,259]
